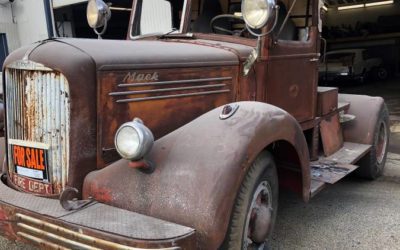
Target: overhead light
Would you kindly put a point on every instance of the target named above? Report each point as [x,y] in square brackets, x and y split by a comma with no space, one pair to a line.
[325,8]
[379,3]
[355,6]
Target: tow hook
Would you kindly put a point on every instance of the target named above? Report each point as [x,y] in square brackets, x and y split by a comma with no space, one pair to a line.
[69,200]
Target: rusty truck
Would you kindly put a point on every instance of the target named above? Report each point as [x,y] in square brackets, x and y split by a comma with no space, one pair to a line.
[182,135]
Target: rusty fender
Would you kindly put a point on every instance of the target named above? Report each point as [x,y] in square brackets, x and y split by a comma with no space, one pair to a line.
[199,169]
[366,109]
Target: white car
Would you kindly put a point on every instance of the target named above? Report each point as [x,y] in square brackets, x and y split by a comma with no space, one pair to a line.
[351,65]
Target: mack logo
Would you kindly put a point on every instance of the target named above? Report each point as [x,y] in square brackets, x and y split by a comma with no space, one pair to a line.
[132,77]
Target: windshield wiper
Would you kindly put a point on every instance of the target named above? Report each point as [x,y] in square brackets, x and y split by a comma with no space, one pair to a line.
[171,34]
[167,33]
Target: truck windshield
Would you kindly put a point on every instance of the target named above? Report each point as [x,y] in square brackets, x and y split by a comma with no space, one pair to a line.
[158,17]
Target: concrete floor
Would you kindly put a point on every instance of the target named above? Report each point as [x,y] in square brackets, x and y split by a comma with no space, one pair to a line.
[353,214]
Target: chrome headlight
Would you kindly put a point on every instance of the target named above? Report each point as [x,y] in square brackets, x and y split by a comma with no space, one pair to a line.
[97,13]
[133,140]
[257,13]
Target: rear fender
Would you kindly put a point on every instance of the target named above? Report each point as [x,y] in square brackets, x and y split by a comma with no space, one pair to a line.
[366,109]
[199,169]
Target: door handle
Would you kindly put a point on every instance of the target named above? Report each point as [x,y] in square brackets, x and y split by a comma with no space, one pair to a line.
[314,60]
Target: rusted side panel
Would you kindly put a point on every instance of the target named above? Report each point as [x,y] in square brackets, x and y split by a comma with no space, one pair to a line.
[164,99]
[199,168]
[331,134]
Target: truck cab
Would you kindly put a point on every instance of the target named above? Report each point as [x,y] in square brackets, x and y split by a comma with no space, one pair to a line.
[180,136]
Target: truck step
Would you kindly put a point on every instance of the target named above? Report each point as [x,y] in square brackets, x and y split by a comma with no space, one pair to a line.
[329,170]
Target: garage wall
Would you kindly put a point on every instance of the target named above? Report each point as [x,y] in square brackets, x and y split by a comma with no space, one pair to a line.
[8,27]
[369,14]
[30,16]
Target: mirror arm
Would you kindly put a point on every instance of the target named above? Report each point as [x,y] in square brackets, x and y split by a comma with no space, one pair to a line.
[99,34]
[325,48]
[286,19]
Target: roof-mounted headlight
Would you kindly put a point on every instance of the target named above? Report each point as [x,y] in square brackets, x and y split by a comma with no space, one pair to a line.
[257,13]
[133,140]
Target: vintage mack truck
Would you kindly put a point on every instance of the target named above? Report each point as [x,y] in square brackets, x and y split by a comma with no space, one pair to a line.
[181,136]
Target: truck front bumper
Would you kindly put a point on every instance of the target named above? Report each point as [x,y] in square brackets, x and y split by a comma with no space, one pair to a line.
[43,222]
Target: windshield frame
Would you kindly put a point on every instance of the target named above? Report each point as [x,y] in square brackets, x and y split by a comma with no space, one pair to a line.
[183,24]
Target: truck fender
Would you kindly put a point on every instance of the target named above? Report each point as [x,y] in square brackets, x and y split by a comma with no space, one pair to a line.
[366,109]
[199,169]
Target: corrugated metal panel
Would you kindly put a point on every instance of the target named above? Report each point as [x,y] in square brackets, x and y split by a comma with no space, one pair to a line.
[38,106]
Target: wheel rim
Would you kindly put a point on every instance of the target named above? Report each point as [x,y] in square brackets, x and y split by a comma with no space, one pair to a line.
[381,144]
[382,73]
[259,218]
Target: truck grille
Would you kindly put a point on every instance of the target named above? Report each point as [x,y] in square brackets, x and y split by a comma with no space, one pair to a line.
[38,106]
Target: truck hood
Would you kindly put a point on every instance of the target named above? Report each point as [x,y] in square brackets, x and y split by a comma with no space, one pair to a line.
[112,54]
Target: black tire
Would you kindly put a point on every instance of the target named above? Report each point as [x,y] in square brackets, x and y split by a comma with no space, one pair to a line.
[380,73]
[373,164]
[262,171]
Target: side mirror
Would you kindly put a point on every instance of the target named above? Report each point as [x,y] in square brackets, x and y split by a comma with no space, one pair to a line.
[156,17]
[98,13]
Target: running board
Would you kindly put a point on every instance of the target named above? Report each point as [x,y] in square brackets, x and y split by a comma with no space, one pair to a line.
[329,170]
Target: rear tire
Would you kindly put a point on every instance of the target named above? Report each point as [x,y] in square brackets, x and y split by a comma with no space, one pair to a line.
[255,209]
[380,74]
[373,164]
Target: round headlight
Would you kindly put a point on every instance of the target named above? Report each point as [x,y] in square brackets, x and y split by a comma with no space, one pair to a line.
[133,140]
[257,13]
[97,13]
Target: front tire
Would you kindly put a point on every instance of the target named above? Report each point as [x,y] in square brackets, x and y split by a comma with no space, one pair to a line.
[256,206]
[373,164]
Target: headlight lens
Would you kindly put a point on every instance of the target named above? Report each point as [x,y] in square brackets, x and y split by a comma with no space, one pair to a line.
[133,140]
[97,13]
[92,14]
[256,13]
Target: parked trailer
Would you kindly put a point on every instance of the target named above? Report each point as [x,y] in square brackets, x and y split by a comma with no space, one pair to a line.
[230,97]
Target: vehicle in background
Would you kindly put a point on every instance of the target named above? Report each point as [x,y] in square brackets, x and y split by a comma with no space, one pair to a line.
[351,65]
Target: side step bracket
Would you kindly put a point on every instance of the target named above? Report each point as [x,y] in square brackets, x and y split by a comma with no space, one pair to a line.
[329,170]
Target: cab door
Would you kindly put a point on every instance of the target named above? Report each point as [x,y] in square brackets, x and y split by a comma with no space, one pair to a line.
[292,70]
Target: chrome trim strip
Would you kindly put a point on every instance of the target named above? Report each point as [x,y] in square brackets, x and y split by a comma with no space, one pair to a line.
[171,96]
[41,242]
[27,65]
[43,225]
[165,90]
[53,237]
[174,82]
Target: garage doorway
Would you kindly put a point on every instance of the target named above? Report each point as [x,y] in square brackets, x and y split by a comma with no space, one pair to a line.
[3,48]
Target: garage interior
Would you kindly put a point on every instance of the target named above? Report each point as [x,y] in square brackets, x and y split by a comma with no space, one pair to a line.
[373,26]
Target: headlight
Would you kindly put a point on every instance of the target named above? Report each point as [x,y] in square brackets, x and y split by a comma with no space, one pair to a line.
[257,13]
[97,13]
[133,140]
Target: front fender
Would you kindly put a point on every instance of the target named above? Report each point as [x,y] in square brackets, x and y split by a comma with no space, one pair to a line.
[199,169]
